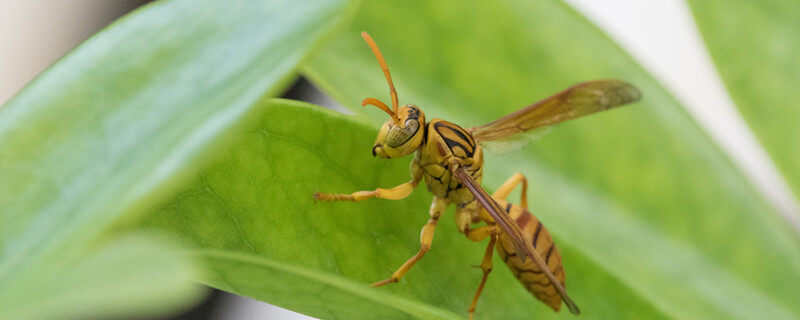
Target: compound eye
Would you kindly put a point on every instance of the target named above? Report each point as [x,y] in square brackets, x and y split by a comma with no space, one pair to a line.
[398,136]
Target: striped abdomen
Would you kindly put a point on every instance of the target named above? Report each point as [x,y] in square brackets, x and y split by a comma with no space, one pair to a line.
[528,273]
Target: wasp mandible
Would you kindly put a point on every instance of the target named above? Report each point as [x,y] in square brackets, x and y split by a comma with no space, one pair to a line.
[450,159]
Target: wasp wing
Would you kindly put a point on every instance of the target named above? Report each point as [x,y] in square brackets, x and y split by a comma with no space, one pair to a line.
[514,142]
[576,101]
[523,247]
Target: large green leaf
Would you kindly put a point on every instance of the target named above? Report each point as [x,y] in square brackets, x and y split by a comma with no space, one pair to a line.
[256,201]
[122,121]
[640,192]
[755,45]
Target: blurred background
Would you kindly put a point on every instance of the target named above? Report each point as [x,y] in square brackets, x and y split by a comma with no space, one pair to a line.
[660,34]
[34,34]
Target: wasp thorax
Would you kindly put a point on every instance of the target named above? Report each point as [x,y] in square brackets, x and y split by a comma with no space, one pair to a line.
[400,139]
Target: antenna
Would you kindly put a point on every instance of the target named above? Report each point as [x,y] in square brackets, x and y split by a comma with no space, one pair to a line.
[392,90]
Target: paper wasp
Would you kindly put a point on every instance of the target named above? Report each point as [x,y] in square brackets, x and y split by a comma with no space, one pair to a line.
[450,159]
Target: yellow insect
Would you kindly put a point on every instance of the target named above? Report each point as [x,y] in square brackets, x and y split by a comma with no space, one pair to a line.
[450,159]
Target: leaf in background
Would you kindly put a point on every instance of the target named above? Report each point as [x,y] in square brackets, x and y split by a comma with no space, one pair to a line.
[755,45]
[257,201]
[135,276]
[332,297]
[640,192]
[120,122]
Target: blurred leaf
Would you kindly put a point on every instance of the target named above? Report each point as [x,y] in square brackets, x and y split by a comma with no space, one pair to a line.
[640,192]
[122,121]
[134,276]
[289,285]
[755,45]
[257,200]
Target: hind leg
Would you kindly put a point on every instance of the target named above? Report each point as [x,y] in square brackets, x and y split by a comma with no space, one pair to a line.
[505,189]
[486,267]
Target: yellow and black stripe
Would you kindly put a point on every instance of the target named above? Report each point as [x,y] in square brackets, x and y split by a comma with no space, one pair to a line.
[457,139]
[528,273]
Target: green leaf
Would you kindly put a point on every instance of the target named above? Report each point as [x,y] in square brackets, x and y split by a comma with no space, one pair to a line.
[133,276]
[641,192]
[755,47]
[256,200]
[121,122]
[287,285]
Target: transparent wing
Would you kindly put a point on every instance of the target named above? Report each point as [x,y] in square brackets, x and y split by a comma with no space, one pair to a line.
[522,247]
[514,142]
[578,100]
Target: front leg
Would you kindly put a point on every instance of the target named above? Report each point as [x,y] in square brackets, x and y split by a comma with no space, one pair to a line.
[396,193]
[399,192]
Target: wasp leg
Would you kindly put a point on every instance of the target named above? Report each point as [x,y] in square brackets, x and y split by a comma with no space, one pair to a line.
[464,216]
[396,193]
[486,267]
[465,212]
[478,234]
[425,239]
[509,185]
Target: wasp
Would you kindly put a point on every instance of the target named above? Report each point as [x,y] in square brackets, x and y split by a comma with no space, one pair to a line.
[450,159]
